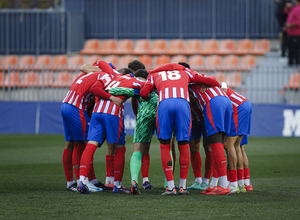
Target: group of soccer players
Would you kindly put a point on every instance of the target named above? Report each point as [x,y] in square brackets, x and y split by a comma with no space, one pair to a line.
[176,102]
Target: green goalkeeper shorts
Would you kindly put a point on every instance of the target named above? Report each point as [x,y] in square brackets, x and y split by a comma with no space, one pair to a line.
[146,120]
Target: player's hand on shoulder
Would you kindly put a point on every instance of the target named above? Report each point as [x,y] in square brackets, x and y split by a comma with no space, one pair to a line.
[204,87]
[116,100]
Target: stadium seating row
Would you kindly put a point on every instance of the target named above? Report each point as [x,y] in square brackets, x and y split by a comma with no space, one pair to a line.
[175,47]
[63,62]
[64,79]
[294,82]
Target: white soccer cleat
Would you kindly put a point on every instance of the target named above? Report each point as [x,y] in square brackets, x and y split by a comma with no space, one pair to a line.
[92,187]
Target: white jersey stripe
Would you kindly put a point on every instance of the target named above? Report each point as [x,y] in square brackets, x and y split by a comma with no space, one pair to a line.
[174,92]
[166,93]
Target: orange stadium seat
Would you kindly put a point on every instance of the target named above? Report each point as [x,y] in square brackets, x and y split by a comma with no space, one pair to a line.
[261,47]
[161,60]
[294,82]
[233,80]
[178,58]
[11,80]
[93,58]
[124,60]
[220,76]
[74,75]
[146,60]
[42,62]
[75,62]
[9,62]
[26,62]
[229,63]
[196,62]
[29,79]
[209,47]
[212,62]
[175,47]
[114,59]
[226,47]
[192,47]
[158,47]
[108,46]
[91,47]
[59,62]
[246,62]
[244,47]
[63,80]
[1,79]
[124,47]
[141,47]
[45,79]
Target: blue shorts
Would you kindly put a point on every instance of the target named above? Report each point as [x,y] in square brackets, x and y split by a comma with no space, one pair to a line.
[241,120]
[198,130]
[76,123]
[217,115]
[174,112]
[106,127]
[244,140]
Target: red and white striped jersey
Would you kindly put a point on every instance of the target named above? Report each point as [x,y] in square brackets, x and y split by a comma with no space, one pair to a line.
[79,94]
[171,81]
[107,106]
[236,98]
[204,97]
[197,113]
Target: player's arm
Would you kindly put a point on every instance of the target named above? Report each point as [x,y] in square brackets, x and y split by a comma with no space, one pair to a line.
[205,80]
[125,91]
[87,68]
[98,90]
[168,66]
[135,106]
[90,106]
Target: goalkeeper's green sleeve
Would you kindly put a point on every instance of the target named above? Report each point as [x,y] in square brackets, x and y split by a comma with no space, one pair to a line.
[122,91]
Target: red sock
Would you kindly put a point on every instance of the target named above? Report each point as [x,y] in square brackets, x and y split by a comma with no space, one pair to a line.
[233,175]
[91,174]
[174,160]
[67,163]
[228,175]
[166,161]
[77,153]
[119,163]
[240,174]
[145,165]
[184,160]
[110,163]
[196,164]
[219,158]
[86,159]
[209,164]
[215,172]
[246,173]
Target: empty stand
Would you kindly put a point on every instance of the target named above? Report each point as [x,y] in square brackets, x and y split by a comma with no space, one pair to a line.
[114,59]
[124,47]
[11,80]
[178,58]
[161,60]
[244,47]
[75,62]
[107,47]
[261,47]
[91,47]
[229,63]
[93,58]
[175,47]
[146,60]
[233,79]
[124,60]
[42,62]
[1,79]
[212,62]
[209,47]
[226,47]
[220,76]
[63,80]
[294,81]
[9,62]
[192,47]
[158,47]
[45,79]
[59,62]
[246,63]
[196,62]
[141,47]
[26,62]
[29,79]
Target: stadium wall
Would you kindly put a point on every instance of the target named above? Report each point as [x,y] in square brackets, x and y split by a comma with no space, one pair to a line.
[268,120]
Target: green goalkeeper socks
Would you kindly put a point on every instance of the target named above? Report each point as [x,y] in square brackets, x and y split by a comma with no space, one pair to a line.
[135,165]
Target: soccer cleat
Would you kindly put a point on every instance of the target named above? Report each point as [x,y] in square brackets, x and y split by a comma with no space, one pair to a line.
[169,192]
[134,188]
[243,189]
[183,191]
[220,191]
[249,188]
[73,187]
[93,188]
[120,189]
[208,190]
[104,187]
[203,186]
[147,185]
[196,185]
[82,188]
[234,189]
[110,185]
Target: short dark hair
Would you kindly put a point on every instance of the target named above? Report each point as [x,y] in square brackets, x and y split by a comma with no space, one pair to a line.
[141,73]
[184,64]
[136,65]
[124,71]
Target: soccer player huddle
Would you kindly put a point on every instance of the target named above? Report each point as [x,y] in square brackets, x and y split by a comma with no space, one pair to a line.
[173,100]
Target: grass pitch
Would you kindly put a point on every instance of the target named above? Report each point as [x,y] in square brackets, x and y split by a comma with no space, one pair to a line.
[33,185]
